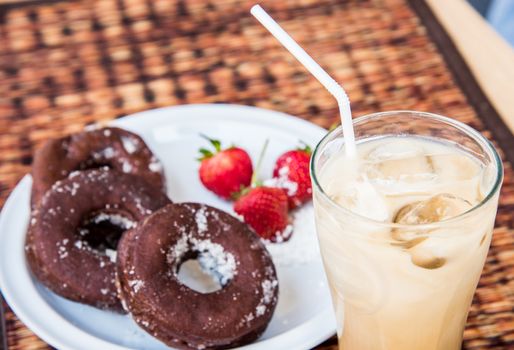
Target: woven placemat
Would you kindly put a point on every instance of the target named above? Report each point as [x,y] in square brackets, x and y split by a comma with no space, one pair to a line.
[67,64]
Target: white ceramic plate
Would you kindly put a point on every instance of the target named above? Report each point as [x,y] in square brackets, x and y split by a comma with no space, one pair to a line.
[303,317]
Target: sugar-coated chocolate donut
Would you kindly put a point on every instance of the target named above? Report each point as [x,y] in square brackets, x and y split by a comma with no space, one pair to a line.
[149,258]
[115,148]
[71,243]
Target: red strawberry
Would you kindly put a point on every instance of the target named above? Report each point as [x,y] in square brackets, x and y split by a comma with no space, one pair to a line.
[225,172]
[291,173]
[265,210]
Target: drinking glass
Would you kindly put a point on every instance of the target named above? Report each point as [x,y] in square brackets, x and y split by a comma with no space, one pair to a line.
[382,300]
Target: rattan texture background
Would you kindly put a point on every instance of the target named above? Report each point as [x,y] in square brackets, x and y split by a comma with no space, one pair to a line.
[67,64]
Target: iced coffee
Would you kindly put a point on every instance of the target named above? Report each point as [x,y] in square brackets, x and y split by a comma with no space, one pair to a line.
[404,228]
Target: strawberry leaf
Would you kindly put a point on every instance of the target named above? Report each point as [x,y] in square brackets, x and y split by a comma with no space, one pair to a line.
[205,153]
[305,147]
[258,183]
[238,194]
[214,142]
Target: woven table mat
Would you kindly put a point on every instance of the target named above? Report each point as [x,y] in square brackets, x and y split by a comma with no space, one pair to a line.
[67,64]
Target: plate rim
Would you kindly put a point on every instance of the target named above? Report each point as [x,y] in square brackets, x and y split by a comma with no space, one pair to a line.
[319,324]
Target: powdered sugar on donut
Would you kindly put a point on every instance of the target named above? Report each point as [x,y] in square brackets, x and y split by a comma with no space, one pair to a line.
[126,167]
[215,260]
[62,248]
[111,254]
[73,174]
[212,257]
[268,297]
[136,285]
[141,208]
[72,189]
[115,219]
[106,153]
[201,220]
[130,144]
[154,165]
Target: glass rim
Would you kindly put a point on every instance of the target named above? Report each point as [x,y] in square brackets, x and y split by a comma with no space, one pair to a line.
[476,135]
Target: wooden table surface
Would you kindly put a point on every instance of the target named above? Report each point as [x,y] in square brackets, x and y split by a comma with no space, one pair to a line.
[66,64]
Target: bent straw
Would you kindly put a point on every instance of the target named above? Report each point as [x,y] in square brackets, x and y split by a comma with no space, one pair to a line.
[315,69]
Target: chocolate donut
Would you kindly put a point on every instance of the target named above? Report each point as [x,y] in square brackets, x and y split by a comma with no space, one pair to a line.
[71,241]
[150,256]
[115,148]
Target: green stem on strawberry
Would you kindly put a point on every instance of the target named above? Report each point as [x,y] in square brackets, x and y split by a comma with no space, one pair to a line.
[257,168]
[306,148]
[214,142]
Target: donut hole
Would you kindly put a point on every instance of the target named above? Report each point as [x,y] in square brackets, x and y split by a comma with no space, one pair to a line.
[208,270]
[194,276]
[94,163]
[102,230]
[99,159]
